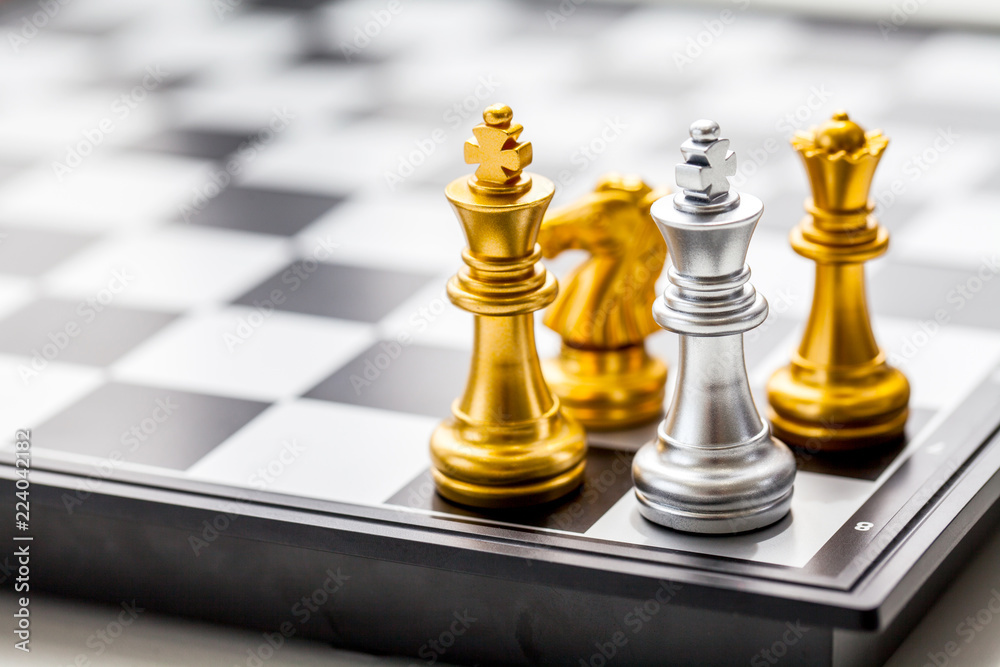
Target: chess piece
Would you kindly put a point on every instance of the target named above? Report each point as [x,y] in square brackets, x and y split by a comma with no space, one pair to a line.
[838,392]
[508,442]
[714,467]
[603,375]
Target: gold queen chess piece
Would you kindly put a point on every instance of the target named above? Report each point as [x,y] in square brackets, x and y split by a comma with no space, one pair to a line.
[508,442]
[603,374]
[838,392]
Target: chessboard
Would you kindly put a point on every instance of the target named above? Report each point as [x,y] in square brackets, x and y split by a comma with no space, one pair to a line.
[223,321]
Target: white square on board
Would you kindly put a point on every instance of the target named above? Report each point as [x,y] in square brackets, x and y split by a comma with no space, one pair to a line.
[32,392]
[323,450]
[176,267]
[242,352]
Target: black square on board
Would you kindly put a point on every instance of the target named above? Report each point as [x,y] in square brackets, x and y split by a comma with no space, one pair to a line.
[867,464]
[152,426]
[607,478]
[414,378]
[83,332]
[263,211]
[337,290]
[199,143]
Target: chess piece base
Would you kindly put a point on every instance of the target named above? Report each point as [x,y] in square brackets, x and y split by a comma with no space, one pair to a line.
[861,409]
[608,389]
[508,465]
[688,489]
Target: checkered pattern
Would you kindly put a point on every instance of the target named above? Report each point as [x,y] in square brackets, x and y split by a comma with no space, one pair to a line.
[261,242]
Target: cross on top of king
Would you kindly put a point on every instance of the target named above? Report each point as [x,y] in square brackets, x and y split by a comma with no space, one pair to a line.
[708,163]
[496,149]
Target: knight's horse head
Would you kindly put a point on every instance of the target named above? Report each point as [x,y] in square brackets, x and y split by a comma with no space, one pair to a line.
[603,222]
[602,303]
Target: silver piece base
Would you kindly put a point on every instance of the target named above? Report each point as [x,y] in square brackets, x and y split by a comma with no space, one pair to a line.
[721,491]
[715,524]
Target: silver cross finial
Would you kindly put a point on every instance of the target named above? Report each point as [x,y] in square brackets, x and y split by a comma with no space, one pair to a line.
[708,164]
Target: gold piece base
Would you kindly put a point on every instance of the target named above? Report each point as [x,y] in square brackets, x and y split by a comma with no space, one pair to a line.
[521,495]
[851,413]
[508,465]
[608,389]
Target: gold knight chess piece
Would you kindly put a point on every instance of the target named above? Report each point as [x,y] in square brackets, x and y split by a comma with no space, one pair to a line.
[838,392]
[508,441]
[603,374]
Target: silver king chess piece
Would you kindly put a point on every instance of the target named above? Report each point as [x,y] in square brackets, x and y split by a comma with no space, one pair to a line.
[713,467]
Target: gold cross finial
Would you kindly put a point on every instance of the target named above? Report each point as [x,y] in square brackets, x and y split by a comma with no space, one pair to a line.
[496,149]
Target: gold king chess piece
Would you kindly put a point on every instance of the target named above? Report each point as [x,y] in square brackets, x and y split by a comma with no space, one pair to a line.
[603,374]
[838,392]
[508,442]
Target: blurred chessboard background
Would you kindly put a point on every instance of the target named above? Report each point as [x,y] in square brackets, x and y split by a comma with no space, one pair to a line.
[369,103]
